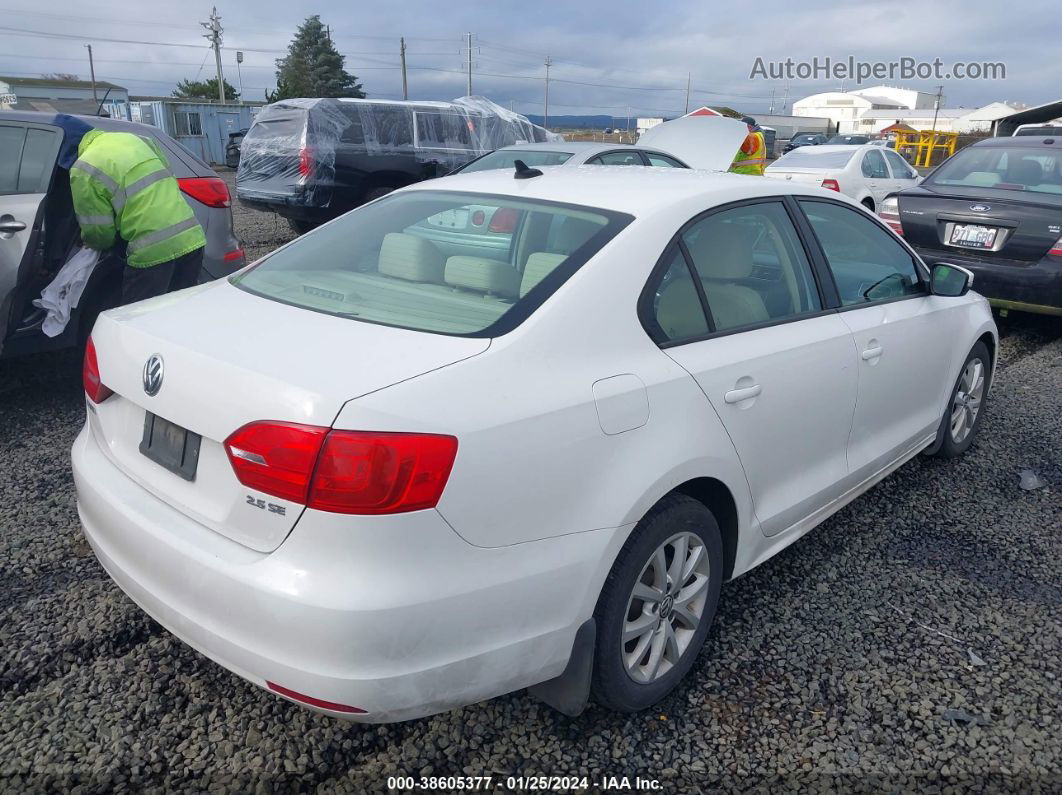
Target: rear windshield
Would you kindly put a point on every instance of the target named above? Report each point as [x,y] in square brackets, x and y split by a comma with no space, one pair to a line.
[814,158]
[1003,168]
[800,138]
[848,139]
[463,264]
[278,123]
[506,158]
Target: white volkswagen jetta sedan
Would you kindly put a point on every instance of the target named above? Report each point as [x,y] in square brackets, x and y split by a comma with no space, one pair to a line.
[406,463]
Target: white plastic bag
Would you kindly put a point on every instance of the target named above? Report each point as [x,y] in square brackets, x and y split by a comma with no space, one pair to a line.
[62,295]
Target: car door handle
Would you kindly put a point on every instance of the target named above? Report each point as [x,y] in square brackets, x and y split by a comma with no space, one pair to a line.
[738,395]
[10,225]
[871,353]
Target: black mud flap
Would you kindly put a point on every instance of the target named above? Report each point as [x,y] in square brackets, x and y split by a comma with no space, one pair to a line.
[570,692]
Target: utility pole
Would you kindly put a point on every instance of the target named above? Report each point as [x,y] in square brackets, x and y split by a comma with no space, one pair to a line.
[545,106]
[214,37]
[689,77]
[92,71]
[469,92]
[785,97]
[936,107]
[629,124]
[239,60]
[771,111]
[402,52]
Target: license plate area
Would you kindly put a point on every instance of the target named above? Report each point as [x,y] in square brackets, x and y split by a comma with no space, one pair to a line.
[973,236]
[170,446]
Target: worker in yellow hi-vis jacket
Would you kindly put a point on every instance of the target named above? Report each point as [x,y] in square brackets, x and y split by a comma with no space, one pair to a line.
[125,195]
[752,156]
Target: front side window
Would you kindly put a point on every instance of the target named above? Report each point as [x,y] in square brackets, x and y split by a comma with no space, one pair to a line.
[663,161]
[451,263]
[900,168]
[617,159]
[506,158]
[751,265]
[874,165]
[867,263]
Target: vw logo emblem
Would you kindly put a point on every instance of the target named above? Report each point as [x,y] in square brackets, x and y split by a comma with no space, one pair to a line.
[980,208]
[666,605]
[153,371]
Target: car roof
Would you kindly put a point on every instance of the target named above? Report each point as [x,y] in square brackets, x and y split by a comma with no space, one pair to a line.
[628,189]
[188,159]
[1026,141]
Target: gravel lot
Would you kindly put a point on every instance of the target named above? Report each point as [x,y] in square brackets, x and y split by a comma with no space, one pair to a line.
[833,666]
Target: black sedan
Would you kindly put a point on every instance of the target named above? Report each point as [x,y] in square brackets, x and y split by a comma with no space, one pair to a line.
[804,139]
[996,209]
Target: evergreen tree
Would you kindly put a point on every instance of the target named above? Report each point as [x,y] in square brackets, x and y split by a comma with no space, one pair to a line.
[313,67]
[204,89]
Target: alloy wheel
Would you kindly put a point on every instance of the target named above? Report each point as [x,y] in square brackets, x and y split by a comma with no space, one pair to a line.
[665,608]
[967,401]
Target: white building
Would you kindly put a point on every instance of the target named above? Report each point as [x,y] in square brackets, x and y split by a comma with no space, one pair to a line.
[647,124]
[901,97]
[843,109]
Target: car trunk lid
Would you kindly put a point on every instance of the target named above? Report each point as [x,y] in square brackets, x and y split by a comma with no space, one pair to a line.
[230,358]
[1022,226]
[705,142]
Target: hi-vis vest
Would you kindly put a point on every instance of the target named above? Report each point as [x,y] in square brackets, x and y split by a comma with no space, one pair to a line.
[122,186]
[752,156]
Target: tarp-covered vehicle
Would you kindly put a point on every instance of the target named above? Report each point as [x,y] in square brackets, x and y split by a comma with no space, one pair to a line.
[311,160]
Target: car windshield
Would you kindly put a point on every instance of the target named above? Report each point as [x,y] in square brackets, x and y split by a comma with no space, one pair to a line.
[506,158]
[1018,168]
[464,264]
[803,138]
[848,139]
[814,158]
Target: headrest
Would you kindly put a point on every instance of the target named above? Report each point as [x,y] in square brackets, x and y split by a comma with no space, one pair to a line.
[483,275]
[411,257]
[1025,172]
[678,310]
[723,250]
[539,265]
[573,233]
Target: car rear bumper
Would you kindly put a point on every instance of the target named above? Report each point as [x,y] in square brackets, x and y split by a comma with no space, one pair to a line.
[394,615]
[1033,287]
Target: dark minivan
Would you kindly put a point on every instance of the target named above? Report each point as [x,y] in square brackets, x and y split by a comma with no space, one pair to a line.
[311,160]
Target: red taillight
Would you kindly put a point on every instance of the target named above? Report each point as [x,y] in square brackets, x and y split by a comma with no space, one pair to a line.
[276,457]
[211,191]
[889,212]
[313,702]
[356,472]
[363,472]
[504,220]
[235,254]
[831,184]
[90,376]
[1056,249]
[305,161]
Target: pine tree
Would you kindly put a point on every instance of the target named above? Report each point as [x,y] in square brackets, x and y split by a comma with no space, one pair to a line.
[313,67]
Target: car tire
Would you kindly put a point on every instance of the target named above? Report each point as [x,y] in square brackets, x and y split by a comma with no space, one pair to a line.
[624,678]
[301,227]
[868,203]
[961,421]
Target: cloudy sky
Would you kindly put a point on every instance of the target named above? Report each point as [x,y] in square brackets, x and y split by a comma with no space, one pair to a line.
[606,55]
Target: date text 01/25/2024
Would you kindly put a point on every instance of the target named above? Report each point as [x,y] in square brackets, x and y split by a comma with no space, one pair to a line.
[522,783]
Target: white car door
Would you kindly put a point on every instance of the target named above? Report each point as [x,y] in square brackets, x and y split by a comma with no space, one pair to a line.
[27,159]
[902,334]
[736,303]
[876,175]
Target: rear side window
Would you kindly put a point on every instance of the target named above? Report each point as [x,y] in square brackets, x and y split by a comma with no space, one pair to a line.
[451,263]
[443,131]
[677,311]
[867,263]
[663,161]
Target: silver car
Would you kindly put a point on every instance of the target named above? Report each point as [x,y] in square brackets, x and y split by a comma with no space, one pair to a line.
[38,230]
[571,153]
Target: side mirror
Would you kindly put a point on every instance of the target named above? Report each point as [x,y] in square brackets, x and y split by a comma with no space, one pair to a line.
[949,280]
